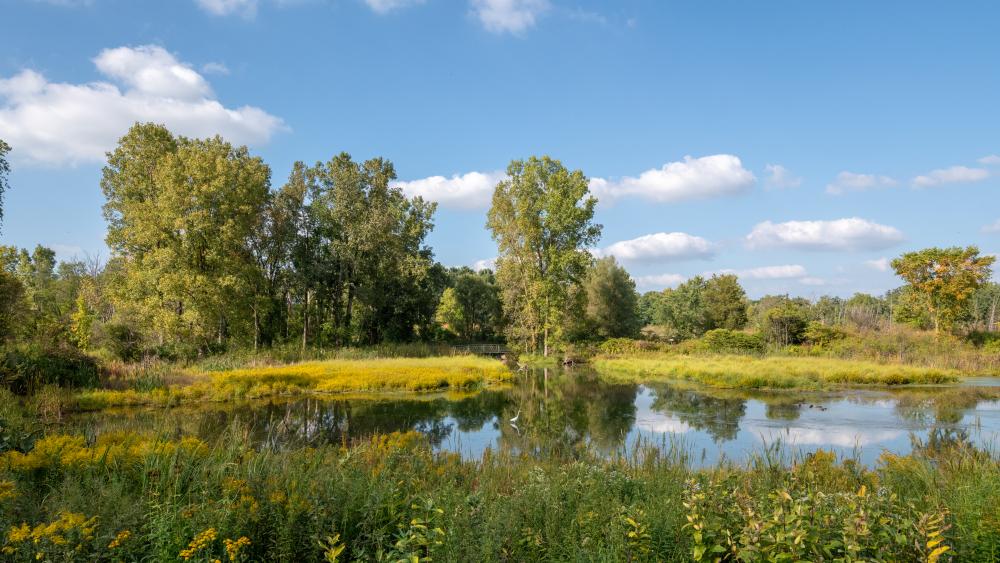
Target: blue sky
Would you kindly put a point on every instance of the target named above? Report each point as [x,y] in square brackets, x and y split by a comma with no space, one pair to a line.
[798,144]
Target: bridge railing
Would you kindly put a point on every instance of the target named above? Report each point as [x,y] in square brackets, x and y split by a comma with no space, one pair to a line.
[481,349]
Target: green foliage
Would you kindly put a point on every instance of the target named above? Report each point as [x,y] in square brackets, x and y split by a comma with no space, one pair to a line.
[542,221]
[28,367]
[392,498]
[11,304]
[611,301]
[470,307]
[683,309]
[722,340]
[947,277]
[819,334]
[625,346]
[725,303]
[784,324]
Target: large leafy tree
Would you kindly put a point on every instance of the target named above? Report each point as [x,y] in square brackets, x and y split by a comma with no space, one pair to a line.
[947,278]
[612,302]
[181,213]
[725,303]
[542,220]
[682,309]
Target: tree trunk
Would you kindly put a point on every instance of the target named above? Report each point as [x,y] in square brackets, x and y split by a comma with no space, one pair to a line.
[305,322]
[256,330]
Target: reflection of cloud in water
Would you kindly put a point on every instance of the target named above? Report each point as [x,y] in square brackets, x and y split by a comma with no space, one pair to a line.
[842,436]
[655,422]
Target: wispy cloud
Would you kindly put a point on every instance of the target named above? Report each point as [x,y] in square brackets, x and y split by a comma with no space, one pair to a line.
[779,177]
[508,16]
[952,175]
[659,281]
[853,182]
[244,8]
[386,6]
[880,264]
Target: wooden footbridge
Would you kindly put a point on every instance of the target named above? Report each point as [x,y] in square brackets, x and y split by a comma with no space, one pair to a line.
[495,350]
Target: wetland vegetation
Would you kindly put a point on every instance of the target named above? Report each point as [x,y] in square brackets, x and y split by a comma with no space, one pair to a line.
[261,374]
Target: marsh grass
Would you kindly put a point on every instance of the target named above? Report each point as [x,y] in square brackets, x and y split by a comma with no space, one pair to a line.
[328,376]
[390,497]
[769,372]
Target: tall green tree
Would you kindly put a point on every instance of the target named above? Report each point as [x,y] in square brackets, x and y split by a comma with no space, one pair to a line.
[725,303]
[542,220]
[4,173]
[682,309]
[180,214]
[947,278]
[612,302]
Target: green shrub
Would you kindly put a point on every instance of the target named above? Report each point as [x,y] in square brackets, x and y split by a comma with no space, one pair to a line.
[784,324]
[26,368]
[819,334]
[727,341]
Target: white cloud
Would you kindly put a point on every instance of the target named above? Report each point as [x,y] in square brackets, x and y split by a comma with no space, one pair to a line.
[694,178]
[386,6]
[993,227]
[780,177]
[880,264]
[63,123]
[852,182]
[990,160]
[487,264]
[245,8]
[659,281]
[467,191]
[841,234]
[660,247]
[953,175]
[508,16]
[215,68]
[812,281]
[787,271]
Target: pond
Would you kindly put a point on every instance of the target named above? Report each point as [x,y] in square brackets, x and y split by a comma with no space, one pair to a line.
[559,412]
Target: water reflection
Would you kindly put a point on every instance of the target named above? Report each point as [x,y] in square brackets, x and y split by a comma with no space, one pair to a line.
[560,412]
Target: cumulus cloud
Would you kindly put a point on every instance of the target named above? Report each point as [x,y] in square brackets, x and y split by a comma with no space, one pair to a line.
[840,234]
[786,271]
[693,178]
[779,177]
[245,8]
[659,281]
[63,123]
[386,6]
[990,160]
[466,191]
[880,264]
[852,182]
[660,247]
[508,16]
[953,175]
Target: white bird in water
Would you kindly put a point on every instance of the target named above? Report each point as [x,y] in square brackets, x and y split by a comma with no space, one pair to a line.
[516,416]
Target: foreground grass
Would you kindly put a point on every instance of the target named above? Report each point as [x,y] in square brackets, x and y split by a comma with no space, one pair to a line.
[330,376]
[390,498]
[770,372]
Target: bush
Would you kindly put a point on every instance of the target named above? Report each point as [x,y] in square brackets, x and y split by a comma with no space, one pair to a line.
[819,334]
[732,342]
[123,341]
[26,368]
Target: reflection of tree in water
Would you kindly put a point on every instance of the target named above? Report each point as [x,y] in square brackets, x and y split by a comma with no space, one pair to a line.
[782,410]
[944,442]
[563,410]
[719,416]
[941,406]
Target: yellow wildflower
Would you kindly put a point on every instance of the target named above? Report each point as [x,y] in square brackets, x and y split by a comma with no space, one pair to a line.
[233,548]
[119,539]
[199,543]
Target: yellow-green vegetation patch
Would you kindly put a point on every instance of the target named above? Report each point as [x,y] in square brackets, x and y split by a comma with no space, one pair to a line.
[330,376]
[750,372]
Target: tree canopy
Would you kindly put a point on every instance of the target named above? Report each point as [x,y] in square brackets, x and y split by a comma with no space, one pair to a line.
[946,278]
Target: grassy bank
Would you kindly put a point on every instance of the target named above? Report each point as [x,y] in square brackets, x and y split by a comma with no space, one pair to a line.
[390,498]
[769,372]
[169,386]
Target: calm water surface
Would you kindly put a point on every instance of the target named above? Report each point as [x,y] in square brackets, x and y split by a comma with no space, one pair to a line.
[564,411]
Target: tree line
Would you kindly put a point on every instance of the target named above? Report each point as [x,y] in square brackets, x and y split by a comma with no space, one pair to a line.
[206,255]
